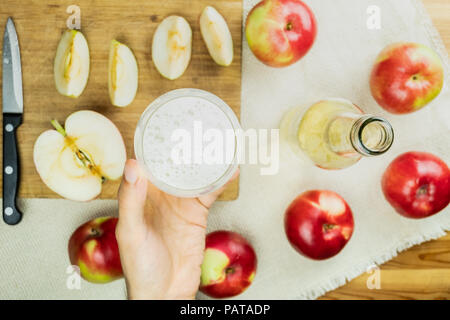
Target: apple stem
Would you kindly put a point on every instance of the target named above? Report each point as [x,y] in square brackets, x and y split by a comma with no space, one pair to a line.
[58,127]
[229,270]
[289,26]
[95,232]
[327,227]
[423,190]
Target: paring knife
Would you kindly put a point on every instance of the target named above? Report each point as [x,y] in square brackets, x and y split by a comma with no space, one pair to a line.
[12,119]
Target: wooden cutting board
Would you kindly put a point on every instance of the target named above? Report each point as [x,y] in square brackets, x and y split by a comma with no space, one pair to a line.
[39,26]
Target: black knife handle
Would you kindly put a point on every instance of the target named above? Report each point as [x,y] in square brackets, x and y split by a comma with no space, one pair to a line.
[11,166]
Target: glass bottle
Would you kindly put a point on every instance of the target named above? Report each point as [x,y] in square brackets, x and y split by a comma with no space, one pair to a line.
[335,133]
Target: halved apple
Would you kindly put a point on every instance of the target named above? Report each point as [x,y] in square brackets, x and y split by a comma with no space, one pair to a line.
[217,36]
[74,161]
[123,74]
[172,46]
[71,67]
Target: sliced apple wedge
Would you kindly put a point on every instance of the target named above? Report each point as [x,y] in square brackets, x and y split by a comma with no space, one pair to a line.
[217,36]
[74,161]
[123,74]
[172,46]
[71,67]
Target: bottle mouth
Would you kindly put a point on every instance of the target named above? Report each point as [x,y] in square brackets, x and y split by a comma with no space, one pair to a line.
[372,136]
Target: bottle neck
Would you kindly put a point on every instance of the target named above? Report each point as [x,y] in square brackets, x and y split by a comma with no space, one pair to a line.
[371,136]
[367,135]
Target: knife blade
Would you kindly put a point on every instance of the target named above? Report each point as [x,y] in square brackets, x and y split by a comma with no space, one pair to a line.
[12,119]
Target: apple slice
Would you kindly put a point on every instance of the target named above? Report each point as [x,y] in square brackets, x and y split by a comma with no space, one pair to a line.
[74,161]
[123,74]
[172,46]
[217,36]
[71,67]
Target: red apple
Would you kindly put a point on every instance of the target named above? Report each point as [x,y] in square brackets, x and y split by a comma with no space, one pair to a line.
[93,248]
[417,184]
[229,265]
[406,77]
[319,224]
[280,32]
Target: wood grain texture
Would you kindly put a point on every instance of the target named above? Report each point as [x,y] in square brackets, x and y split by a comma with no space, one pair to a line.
[422,272]
[40,24]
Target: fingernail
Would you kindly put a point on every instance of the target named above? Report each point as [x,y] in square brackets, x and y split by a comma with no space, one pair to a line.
[131,173]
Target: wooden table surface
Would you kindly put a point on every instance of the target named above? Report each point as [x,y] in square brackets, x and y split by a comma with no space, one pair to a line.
[422,272]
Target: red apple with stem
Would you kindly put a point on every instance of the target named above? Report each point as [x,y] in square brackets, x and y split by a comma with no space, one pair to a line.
[229,265]
[406,77]
[417,184]
[319,224]
[280,32]
[93,248]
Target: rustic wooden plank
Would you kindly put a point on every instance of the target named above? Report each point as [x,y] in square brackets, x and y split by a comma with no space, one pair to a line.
[422,272]
[40,24]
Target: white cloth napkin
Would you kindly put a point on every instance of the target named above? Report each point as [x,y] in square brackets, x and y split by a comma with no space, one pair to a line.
[33,254]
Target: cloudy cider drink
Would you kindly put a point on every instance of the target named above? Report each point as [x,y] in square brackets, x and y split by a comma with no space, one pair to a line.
[186,140]
[335,133]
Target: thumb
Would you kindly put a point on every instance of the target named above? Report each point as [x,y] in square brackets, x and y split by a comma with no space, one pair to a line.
[132,196]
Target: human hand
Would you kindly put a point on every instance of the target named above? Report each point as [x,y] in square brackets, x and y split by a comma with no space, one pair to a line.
[161,238]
